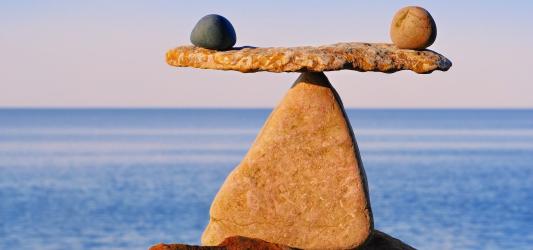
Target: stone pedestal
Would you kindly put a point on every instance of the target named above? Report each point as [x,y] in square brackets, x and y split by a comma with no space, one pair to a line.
[302,183]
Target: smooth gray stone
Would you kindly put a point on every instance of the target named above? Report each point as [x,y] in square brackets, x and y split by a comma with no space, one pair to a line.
[214,32]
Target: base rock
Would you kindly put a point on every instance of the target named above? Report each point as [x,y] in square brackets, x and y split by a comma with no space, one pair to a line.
[377,241]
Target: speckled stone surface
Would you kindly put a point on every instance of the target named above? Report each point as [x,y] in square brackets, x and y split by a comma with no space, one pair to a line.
[413,28]
[350,56]
[302,183]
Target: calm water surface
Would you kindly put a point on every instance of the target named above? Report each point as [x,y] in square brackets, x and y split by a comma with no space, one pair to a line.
[126,179]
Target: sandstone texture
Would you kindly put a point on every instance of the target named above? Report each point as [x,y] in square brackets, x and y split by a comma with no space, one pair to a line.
[351,56]
[413,28]
[378,241]
[302,183]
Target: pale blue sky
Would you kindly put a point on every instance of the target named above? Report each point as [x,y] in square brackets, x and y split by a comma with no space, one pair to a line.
[111,53]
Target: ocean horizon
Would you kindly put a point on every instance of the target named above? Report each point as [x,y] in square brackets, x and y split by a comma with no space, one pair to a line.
[123,178]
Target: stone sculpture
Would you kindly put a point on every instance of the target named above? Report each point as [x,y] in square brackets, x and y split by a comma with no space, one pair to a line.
[302,184]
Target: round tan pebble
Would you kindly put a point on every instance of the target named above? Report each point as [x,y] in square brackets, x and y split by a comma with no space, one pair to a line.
[413,28]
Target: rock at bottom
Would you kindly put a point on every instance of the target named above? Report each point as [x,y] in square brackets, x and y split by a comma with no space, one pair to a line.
[378,241]
[302,183]
[382,241]
[230,243]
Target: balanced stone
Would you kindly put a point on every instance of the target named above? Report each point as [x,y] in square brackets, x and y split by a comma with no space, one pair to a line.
[214,32]
[302,183]
[413,28]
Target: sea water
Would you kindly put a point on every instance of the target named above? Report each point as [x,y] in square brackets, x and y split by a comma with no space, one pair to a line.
[127,179]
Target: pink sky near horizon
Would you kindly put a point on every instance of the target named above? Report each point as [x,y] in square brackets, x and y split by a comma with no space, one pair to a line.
[102,54]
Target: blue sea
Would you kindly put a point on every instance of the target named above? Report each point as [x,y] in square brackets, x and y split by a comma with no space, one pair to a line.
[129,178]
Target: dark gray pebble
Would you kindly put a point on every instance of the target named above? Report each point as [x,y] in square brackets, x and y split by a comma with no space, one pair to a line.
[214,32]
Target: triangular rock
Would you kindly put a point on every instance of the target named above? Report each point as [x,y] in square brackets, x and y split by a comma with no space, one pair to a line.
[302,183]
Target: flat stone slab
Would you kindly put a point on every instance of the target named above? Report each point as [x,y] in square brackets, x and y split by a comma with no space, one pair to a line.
[362,57]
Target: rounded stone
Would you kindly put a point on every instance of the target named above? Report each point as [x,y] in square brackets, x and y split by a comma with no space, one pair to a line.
[214,32]
[413,28]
